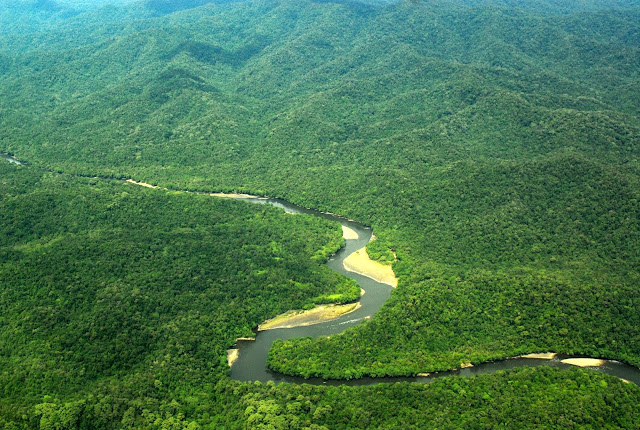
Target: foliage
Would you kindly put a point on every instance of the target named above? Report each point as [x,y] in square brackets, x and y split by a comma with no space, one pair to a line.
[493,145]
[524,398]
[120,297]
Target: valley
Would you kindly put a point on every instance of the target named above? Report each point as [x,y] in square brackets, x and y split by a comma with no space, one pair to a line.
[493,147]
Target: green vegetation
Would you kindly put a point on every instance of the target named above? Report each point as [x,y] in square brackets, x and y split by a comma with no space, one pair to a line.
[123,298]
[523,398]
[439,323]
[493,145]
[550,263]
[379,251]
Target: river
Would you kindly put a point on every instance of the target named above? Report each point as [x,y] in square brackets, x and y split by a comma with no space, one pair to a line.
[251,363]
[10,159]
[252,358]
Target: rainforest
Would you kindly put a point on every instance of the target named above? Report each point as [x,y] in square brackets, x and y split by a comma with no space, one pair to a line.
[492,146]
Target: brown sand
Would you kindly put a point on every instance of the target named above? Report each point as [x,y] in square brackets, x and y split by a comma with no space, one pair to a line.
[235,196]
[359,262]
[584,362]
[348,233]
[540,355]
[316,315]
[232,356]
[142,184]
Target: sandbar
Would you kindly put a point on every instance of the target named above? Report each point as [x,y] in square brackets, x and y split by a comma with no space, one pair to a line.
[221,195]
[235,196]
[360,263]
[232,356]
[298,318]
[540,355]
[348,233]
[584,362]
[142,184]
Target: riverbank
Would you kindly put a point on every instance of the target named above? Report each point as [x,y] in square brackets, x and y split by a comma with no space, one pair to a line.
[584,362]
[575,361]
[10,158]
[360,263]
[232,356]
[540,355]
[143,184]
[300,318]
[349,233]
[219,195]
[612,367]
[236,196]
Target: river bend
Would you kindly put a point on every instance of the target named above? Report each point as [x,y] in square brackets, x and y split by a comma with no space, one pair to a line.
[251,363]
[252,358]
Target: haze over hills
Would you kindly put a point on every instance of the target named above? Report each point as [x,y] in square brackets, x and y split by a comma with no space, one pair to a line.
[493,146]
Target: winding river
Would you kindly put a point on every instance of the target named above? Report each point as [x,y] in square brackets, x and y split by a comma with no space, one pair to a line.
[251,363]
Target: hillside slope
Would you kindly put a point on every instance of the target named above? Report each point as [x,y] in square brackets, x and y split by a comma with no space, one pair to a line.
[493,146]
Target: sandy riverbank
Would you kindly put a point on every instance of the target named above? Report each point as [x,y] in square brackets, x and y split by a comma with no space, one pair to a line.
[232,356]
[221,195]
[540,355]
[143,184]
[349,234]
[584,362]
[581,362]
[319,314]
[359,262]
[236,196]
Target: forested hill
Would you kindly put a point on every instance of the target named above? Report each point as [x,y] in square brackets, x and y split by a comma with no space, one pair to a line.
[362,109]
[222,83]
[493,146]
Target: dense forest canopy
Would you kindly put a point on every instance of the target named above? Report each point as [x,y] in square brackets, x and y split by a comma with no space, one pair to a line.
[133,295]
[492,144]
